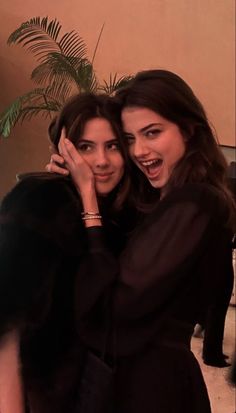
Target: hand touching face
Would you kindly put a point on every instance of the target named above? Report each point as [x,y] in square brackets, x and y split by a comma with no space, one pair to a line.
[96,159]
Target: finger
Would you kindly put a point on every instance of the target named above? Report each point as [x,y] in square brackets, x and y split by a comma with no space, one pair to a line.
[64,153]
[54,168]
[63,133]
[61,140]
[72,151]
[69,153]
[57,159]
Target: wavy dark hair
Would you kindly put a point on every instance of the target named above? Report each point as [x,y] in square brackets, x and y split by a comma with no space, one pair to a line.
[165,93]
[77,111]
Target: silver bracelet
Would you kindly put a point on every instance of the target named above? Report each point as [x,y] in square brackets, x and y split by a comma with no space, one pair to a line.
[89,216]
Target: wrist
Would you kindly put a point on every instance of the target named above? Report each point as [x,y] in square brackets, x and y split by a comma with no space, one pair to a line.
[91,219]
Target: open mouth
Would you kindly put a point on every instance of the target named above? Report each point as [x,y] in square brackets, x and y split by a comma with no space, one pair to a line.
[153,167]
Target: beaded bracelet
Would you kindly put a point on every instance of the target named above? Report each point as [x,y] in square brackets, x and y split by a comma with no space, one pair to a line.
[90,215]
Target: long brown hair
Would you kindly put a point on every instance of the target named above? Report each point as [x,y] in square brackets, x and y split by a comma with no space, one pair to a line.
[168,95]
[77,111]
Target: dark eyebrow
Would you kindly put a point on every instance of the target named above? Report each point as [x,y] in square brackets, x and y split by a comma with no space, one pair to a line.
[149,126]
[85,140]
[93,142]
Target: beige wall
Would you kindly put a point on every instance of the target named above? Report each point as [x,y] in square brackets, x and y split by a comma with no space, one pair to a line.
[195,38]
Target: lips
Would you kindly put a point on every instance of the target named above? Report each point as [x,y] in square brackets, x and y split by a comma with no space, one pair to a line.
[152,168]
[103,177]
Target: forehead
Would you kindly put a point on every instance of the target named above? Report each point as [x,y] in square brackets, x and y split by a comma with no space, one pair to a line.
[140,117]
[98,129]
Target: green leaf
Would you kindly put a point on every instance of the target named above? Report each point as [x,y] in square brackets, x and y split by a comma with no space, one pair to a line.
[114,84]
[28,105]
[40,37]
[37,35]
[9,117]
[64,69]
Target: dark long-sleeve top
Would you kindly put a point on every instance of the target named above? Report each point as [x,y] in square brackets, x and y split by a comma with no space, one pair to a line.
[62,285]
[173,265]
[43,250]
[43,244]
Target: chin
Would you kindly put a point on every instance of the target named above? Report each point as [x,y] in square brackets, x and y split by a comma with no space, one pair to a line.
[155,184]
[103,191]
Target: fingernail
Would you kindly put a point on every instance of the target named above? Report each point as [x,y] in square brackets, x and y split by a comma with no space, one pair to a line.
[67,142]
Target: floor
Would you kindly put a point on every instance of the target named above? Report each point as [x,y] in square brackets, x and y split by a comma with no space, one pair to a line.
[222,394]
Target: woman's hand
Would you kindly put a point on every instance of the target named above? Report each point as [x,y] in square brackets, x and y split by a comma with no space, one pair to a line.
[82,176]
[57,163]
[80,171]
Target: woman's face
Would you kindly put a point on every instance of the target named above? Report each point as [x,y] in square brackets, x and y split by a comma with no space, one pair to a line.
[99,147]
[155,144]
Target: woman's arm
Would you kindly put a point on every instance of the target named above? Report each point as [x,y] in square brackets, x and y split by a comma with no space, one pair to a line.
[164,254]
[11,387]
[83,179]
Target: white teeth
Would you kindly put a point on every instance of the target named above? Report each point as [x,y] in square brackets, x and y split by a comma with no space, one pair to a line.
[148,163]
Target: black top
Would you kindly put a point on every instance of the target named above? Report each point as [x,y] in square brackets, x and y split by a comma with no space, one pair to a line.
[173,266]
[43,250]
[57,280]
[180,252]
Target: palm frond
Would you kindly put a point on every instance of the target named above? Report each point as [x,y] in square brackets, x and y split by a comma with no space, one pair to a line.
[114,84]
[86,78]
[71,44]
[70,71]
[63,69]
[32,102]
[40,37]
[56,64]
[37,35]
[9,117]
[59,91]
[45,110]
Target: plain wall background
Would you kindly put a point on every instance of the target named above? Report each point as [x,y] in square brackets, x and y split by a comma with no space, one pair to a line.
[194,38]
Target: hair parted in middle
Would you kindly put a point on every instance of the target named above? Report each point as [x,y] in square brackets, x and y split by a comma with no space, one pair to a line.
[74,115]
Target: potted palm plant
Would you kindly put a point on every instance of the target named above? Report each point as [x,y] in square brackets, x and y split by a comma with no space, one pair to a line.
[63,69]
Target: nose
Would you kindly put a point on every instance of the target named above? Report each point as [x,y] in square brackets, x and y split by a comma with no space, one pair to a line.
[102,159]
[139,149]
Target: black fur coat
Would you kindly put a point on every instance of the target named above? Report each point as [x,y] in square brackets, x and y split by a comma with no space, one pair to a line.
[41,244]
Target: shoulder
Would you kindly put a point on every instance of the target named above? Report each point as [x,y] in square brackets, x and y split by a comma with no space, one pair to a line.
[44,205]
[35,191]
[204,197]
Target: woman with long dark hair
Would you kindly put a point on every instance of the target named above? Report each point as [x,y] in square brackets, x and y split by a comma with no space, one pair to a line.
[180,251]
[43,248]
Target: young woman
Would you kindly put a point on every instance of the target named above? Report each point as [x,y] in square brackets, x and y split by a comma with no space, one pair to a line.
[43,249]
[179,252]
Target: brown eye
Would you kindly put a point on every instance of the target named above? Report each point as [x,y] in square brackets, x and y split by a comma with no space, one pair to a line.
[84,147]
[152,133]
[114,146]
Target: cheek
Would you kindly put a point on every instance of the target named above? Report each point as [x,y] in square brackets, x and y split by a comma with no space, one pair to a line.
[178,151]
[88,159]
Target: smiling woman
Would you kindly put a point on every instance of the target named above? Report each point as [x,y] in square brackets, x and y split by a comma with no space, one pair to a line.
[43,248]
[180,248]
[101,150]
[155,144]
[91,123]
